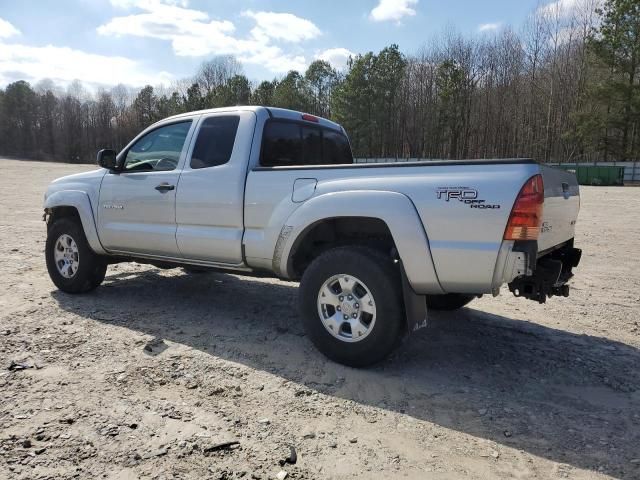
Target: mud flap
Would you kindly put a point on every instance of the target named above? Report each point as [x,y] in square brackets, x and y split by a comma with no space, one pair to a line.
[415,306]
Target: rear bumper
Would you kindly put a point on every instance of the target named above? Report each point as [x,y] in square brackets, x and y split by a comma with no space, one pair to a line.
[550,275]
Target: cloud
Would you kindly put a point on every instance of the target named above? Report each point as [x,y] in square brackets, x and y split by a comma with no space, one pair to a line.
[281,26]
[7,30]
[63,65]
[559,7]
[192,33]
[128,4]
[489,27]
[337,57]
[392,10]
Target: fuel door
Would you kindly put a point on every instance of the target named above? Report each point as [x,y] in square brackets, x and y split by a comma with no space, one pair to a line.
[303,189]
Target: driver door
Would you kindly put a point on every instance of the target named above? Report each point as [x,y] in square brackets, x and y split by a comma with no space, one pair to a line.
[137,207]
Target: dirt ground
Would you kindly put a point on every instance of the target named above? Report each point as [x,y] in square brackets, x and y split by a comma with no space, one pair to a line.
[504,389]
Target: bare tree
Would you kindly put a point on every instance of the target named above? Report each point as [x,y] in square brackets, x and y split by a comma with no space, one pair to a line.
[217,72]
[508,93]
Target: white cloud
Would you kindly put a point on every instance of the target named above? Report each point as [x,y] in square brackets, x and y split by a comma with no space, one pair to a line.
[7,30]
[281,26]
[392,10]
[192,33]
[558,7]
[489,27]
[63,65]
[337,57]
[127,4]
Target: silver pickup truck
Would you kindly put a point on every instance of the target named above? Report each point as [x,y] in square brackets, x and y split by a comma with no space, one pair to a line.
[258,191]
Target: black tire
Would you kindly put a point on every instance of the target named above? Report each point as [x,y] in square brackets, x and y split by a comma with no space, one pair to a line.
[449,301]
[381,277]
[91,267]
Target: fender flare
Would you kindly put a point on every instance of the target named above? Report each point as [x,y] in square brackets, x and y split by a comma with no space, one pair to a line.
[82,203]
[395,209]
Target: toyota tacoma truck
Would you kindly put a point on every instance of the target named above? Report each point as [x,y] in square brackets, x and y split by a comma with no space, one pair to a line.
[267,191]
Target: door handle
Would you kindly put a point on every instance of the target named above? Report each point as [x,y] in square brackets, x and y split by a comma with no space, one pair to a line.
[165,187]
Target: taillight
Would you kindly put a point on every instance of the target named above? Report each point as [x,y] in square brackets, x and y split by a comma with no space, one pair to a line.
[526,216]
[309,118]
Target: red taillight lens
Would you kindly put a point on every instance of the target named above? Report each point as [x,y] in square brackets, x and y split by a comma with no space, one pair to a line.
[309,118]
[526,216]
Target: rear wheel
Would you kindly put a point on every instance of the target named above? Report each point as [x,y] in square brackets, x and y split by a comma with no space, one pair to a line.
[449,301]
[72,265]
[351,305]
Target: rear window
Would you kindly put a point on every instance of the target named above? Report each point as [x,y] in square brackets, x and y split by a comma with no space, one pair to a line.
[296,144]
[215,141]
[312,146]
[336,148]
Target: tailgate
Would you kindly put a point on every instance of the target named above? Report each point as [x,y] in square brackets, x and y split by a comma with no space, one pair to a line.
[561,206]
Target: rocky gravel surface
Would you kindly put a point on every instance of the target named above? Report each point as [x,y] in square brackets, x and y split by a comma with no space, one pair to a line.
[160,374]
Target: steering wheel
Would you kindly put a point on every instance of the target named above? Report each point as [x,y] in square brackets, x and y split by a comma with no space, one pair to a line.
[166,164]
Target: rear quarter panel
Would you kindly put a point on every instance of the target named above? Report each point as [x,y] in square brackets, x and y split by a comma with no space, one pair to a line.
[464,240]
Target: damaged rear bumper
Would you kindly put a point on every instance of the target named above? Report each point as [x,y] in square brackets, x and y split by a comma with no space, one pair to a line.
[550,273]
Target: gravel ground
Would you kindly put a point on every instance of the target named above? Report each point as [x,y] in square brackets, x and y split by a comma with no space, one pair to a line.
[147,376]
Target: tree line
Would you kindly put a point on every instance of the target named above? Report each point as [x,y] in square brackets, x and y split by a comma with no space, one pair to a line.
[565,87]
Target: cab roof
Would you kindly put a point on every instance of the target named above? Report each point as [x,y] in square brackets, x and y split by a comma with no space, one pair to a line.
[273,112]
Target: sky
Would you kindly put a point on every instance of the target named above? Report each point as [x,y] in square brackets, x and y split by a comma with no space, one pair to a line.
[138,42]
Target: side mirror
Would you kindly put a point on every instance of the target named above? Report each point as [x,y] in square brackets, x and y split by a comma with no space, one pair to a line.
[107,159]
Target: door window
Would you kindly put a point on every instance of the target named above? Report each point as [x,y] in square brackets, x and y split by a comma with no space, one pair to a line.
[158,150]
[215,141]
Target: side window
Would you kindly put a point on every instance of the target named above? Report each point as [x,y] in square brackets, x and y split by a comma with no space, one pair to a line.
[281,144]
[336,149]
[158,150]
[215,141]
[291,144]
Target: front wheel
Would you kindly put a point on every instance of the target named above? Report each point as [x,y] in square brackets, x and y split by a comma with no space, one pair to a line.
[72,265]
[351,305]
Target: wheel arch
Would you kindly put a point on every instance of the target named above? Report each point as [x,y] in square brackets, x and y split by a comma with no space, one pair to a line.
[390,217]
[327,233]
[75,204]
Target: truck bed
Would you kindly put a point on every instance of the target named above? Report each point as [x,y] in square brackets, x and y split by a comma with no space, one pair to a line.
[465,235]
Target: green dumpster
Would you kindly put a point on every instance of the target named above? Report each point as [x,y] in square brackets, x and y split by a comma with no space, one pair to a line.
[596,174]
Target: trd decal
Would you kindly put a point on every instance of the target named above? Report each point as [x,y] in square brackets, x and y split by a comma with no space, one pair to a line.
[457,193]
[466,195]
